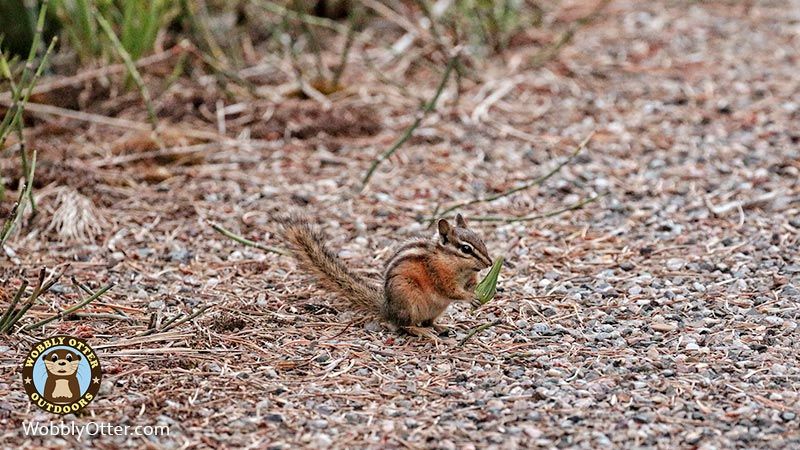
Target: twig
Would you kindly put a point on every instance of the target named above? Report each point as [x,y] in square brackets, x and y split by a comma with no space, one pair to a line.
[313,44]
[386,80]
[410,130]
[60,83]
[70,310]
[229,234]
[302,86]
[477,330]
[87,290]
[532,183]
[106,316]
[152,328]
[187,318]
[743,204]
[168,322]
[305,18]
[43,109]
[572,207]
[348,44]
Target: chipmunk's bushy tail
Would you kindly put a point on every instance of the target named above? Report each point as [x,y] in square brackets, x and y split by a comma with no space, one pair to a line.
[308,246]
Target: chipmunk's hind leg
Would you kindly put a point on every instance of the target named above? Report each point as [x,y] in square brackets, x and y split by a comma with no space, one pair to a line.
[423,332]
[438,328]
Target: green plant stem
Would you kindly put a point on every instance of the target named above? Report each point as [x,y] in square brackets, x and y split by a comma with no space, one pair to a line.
[14,318]
[19,207]
[556,212]
[229,234]
[13,305]
[87,290]
[70,310]
[27,81]
[130,65]
[477,330]
[301,17]
[535,182]
[187,318]
[37,39]
[23,155]
[410,130]
[348,44]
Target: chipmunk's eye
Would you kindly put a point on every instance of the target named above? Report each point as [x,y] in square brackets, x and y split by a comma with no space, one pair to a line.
[466,249]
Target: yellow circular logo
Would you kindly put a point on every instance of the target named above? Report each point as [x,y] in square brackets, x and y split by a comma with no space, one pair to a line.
[61,374]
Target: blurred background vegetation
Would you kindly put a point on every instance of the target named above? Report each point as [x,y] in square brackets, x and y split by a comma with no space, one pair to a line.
[395,40]
[221,26]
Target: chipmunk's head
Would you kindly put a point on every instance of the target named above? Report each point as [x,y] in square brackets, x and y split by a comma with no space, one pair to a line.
[463,243]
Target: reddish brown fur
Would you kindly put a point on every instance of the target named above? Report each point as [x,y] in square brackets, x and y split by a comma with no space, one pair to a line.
[422,278]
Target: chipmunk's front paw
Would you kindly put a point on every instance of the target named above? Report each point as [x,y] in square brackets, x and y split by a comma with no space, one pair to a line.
[476,303]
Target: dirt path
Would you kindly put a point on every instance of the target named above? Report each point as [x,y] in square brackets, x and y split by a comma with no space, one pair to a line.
[663,315]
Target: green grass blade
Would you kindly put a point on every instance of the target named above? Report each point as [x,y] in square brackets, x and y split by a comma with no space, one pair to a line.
[487,288]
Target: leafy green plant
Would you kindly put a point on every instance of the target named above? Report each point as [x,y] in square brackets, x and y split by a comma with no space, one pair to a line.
[21,91]
[487,288]
[16,26]
[135,22]
[493,23]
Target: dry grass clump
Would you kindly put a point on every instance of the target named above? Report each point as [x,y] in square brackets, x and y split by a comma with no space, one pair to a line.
[75,218]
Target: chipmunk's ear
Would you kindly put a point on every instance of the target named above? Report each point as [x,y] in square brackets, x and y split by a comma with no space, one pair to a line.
[460,222]
[444,230]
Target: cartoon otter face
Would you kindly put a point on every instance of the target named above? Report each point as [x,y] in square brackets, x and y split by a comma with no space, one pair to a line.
[62,363]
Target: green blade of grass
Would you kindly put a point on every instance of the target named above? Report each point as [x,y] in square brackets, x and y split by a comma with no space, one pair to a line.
[130,65]
[487,288]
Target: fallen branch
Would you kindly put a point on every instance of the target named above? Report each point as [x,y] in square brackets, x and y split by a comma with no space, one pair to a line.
[410,130]
[535,182]
[242,240]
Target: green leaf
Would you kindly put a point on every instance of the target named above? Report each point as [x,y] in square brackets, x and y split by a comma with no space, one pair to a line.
[487,288]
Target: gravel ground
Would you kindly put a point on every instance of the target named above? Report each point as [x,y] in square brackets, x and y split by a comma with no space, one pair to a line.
[663,315]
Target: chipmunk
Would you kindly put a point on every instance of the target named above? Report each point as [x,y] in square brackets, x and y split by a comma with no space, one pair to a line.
[420,280]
